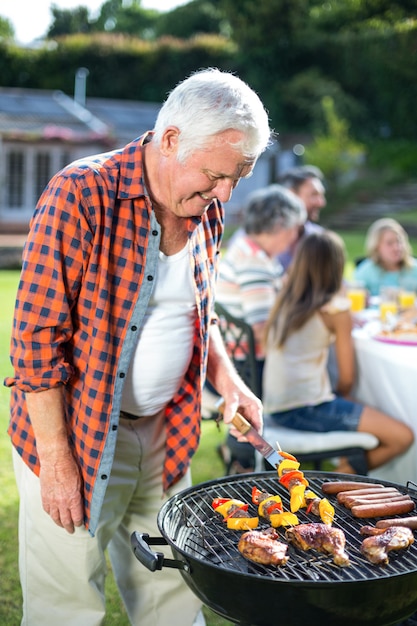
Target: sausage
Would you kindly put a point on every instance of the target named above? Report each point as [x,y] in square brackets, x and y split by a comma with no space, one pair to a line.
[374,495]
[360,493]
[384,509]
[364,500]
[333,487]
[407,522]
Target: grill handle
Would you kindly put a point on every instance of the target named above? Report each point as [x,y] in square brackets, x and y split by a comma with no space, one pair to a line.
[153,561]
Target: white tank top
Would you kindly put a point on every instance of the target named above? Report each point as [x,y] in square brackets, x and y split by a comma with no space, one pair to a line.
[165,343]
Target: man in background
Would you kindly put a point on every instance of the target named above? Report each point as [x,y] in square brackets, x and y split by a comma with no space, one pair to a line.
[306,182]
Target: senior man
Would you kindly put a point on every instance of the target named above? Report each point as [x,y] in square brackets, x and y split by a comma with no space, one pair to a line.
[113,334]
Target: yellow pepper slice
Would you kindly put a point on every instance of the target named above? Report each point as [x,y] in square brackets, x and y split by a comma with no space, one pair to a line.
[268,502]
[297,499]
[284,519]
[326,511]
[242,523]
[224,508]
[287,464]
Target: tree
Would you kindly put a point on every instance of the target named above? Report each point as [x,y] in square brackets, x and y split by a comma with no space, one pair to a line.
[6,28]
[333,150]
[118,16]
[198,16]
[359,15]
[69,21]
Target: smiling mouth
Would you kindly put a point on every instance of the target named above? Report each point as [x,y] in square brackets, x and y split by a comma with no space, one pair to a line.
[205,198]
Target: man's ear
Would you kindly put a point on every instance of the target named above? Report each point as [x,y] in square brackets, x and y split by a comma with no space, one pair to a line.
[170,140]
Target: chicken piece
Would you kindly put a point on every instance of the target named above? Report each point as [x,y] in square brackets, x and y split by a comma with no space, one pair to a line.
[375,548]
[322,538]
[262,547]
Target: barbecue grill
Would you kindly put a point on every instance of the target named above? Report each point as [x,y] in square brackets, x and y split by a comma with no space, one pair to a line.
[309,589]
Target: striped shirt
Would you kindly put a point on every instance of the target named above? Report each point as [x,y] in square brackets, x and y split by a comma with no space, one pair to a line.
[88,270]
[249,281]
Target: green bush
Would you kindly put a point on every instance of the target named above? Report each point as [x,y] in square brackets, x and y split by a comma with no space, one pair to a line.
[333,150]
[399,156]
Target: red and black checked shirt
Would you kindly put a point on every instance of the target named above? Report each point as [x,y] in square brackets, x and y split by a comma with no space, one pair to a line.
[87,275]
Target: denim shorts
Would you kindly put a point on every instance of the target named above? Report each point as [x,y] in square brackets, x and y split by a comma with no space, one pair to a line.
[338,414]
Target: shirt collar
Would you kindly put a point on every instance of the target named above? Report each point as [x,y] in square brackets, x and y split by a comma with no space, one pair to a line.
[132,182]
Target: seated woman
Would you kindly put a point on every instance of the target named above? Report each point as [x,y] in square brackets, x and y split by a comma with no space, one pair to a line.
[250,277]
[390,262]
[306,318]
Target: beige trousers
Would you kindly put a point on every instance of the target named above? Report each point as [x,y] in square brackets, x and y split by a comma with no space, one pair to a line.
[63,576]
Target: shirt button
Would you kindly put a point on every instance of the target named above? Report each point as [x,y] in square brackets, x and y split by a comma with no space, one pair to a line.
[150,278]
[114,427]
[121,375]
[134,328]
[104,477]
[154,233]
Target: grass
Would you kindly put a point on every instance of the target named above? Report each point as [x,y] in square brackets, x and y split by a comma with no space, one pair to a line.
[206,466]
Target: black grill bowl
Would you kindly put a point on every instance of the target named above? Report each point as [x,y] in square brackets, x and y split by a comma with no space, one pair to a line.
[309,589]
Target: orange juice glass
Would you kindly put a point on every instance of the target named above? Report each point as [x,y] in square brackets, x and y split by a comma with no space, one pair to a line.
[406,299]
[388,306]
[357,297]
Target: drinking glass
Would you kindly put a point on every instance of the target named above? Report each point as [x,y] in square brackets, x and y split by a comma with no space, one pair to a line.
[356,293]
[388,306]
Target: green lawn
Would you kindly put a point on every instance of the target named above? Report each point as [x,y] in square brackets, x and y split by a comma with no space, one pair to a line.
[206,466]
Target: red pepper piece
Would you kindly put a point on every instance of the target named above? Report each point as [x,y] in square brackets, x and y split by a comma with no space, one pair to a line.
[293,475]
[309,507]
[218,501]
[275,506]
[255,495]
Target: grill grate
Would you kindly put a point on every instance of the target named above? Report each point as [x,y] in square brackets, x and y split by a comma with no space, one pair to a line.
[190,524]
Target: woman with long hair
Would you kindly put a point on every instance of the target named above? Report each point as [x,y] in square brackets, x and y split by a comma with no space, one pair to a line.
[308,316]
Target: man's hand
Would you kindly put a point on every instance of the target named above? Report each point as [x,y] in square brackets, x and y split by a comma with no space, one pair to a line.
[61,491]
[248,405]
[60,476]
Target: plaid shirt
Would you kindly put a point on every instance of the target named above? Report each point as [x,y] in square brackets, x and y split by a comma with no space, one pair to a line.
[87,276]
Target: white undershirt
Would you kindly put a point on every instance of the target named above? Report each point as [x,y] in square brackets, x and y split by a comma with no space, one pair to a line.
[165,343]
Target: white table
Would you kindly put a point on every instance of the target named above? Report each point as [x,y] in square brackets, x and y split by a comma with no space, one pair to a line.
[387,380]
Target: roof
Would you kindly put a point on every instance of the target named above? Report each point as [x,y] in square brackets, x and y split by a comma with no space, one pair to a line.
[127,119]
[31,115]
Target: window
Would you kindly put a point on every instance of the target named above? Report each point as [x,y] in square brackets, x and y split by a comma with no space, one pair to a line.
[42,173]
[15,165]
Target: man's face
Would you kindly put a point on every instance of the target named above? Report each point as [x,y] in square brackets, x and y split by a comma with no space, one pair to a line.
[188,188]
[312,193]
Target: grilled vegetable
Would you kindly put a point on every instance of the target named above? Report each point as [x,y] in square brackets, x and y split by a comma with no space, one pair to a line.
[242,522]
[283,519]
[226,508]
[287,465]
[272,504]
[326,511]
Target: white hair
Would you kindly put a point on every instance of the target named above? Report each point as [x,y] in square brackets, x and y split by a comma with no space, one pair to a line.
[210,102]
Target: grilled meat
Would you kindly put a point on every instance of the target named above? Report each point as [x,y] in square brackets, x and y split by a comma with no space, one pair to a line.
[259,496]
[322,538]
[263,547]
[375,548]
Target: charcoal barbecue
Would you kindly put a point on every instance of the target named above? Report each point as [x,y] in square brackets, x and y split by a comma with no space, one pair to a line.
[309,589]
